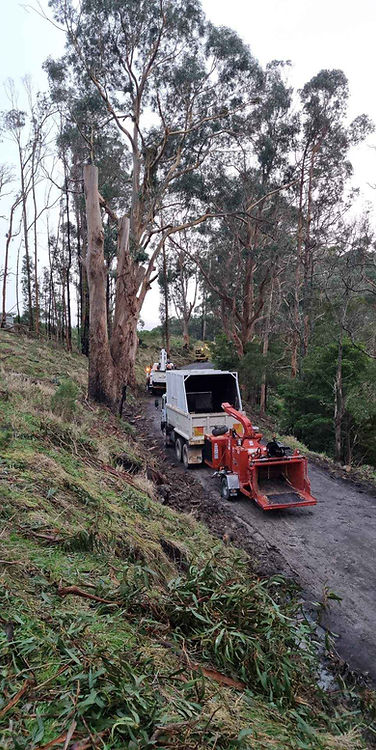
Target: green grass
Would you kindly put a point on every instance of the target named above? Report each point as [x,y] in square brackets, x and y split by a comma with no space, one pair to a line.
[140,660]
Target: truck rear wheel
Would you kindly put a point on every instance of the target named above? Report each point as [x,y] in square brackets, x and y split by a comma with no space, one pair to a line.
[166,436]
[179,448]
[185,456]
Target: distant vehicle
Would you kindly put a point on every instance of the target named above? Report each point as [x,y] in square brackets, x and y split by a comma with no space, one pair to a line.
[202,353]
[202,418]
[156,374]
[10,320]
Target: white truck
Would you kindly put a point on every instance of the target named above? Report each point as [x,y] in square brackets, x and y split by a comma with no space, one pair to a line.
[191,408]
[156,375]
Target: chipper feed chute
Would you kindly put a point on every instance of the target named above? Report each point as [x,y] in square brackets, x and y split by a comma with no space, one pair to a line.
[267,473]
[280,483]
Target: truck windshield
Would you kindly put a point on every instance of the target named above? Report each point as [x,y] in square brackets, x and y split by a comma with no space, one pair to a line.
[206,393]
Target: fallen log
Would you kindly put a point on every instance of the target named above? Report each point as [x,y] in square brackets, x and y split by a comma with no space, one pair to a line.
[66,590]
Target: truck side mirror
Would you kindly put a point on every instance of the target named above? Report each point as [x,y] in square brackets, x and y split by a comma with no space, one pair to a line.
[156,403]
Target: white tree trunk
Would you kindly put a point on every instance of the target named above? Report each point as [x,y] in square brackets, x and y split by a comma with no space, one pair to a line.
[103,382]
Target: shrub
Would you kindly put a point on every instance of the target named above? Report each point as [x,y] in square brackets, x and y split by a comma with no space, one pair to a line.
[63,402]
[224,354]
[251,366]
[308,401]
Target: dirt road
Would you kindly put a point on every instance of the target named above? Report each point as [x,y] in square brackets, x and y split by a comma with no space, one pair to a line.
[332,544]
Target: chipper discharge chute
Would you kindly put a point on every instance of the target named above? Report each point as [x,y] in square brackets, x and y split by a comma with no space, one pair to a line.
[268,474]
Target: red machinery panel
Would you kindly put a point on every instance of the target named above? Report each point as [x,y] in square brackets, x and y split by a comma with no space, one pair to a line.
[266,474]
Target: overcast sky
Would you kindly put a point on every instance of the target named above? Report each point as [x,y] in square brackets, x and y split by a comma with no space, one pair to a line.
[312,34]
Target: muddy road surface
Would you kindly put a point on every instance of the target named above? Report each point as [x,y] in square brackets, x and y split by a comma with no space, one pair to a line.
[330,547]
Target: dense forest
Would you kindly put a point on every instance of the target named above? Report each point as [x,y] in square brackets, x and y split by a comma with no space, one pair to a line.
[163,151]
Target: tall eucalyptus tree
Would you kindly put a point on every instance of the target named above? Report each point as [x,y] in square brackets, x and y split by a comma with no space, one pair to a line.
[169,82]
[247,185]
[324,172]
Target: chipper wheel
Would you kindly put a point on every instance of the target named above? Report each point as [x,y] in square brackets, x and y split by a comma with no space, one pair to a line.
[225,490]
[179,448]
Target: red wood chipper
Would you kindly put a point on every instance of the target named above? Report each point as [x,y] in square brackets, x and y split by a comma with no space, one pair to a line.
[269,474]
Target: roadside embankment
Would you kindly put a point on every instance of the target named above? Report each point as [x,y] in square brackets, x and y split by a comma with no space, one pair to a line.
[124,623]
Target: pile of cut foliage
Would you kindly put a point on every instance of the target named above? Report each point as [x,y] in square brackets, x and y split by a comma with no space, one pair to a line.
[124,624]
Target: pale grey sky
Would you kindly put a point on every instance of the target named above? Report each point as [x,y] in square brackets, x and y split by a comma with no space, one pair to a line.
[313,34]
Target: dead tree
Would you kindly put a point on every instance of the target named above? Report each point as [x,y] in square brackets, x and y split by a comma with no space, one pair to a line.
[184,284]
[9,236]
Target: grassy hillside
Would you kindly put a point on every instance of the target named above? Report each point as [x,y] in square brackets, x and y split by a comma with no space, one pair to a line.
[124,624]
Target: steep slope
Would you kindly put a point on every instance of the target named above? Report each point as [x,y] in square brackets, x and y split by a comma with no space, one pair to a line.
[122,622]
